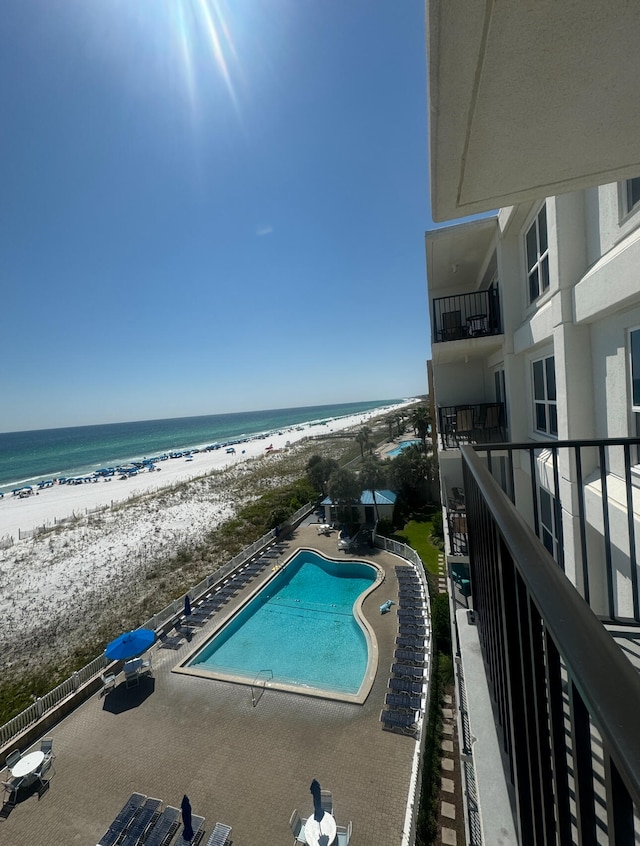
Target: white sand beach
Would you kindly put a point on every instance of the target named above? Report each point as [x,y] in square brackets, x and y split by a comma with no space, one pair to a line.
[59,584]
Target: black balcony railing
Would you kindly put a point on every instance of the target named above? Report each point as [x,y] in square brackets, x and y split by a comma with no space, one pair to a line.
[471,424]
[566,697]
[466,316]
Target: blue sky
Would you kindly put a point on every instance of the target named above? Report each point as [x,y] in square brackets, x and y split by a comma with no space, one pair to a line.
[210,206]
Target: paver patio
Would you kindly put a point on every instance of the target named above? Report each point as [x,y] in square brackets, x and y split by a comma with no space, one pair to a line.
[246,766]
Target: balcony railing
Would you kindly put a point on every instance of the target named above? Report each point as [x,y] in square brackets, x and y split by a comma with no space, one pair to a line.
[466,316]
[565,694]
[471,424]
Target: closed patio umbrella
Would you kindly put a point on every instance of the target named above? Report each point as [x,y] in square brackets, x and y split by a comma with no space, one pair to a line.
[318,813]
[187,834]
[187,606]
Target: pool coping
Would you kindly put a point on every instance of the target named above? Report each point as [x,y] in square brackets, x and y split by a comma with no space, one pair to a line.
[364,690]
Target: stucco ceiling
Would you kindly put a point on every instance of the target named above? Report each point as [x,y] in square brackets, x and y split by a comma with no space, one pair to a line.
[456,254]
[530,98]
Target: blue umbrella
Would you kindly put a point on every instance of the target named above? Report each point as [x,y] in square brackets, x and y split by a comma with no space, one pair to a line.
[187,834]
[130,645]
[187,606]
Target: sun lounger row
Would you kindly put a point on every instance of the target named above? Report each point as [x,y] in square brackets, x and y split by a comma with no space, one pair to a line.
[123,820]
[406,574]
[142,821]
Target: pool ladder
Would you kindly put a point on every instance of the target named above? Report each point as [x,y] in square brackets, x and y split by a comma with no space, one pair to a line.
[259,684]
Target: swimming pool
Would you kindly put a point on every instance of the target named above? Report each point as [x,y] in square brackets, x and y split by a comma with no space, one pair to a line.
[403,445]
[303,631]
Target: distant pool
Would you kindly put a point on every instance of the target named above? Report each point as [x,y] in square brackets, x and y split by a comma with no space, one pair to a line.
[403,445]
[300,632]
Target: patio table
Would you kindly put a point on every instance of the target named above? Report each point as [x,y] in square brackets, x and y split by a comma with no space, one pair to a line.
[27,767]
[321,833]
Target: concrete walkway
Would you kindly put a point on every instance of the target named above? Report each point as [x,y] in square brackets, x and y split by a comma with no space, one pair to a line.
[245,766]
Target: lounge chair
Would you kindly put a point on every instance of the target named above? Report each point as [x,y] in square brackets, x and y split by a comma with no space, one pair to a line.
[411,614]
[296,824]
[407,671]
[124,818]
[400,721]
[343,834]
[410,656]
[413,627]
[142,821]
[165,827]
[411,641]
[408,686]
[220,835]
[403,702]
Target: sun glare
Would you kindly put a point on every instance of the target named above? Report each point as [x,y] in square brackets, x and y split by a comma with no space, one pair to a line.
[215,22]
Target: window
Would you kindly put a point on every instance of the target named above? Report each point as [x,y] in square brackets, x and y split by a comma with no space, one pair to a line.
[544,396]
[632,193]
[538,255]
[549,521]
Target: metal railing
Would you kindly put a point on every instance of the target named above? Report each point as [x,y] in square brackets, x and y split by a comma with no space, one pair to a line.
[480,423]
[53,698]
[45,703]
[565,695]
[578,497]
[470,315]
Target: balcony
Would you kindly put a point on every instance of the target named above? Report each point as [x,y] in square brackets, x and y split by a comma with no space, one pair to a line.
[473,315]
[556,611]
[471,424]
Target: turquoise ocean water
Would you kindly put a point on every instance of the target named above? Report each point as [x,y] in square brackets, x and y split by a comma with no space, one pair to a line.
[28,457]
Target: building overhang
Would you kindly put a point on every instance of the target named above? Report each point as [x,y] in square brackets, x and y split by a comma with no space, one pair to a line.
[530,99]
[456,255]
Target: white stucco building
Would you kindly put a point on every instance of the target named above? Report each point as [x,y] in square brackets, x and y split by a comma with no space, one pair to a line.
[535,330]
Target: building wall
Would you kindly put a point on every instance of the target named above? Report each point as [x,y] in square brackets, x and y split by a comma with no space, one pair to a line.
[583,320]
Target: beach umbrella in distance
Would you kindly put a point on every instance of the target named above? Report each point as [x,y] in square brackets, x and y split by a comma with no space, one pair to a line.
[130,645]
[318,813]
[187,606]
[187,834]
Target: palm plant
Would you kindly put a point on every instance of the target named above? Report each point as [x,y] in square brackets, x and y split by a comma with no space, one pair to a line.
[364,439]
[421,420]
[344,489]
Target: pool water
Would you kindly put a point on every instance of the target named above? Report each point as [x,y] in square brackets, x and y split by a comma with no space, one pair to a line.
[403,445]
[300,627]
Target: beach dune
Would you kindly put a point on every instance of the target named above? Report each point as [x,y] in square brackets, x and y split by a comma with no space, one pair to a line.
[54,583]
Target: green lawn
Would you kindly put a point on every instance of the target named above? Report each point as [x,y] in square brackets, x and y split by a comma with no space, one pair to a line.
[417,534]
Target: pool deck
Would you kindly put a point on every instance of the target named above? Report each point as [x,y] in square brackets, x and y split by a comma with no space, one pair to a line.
[246,766]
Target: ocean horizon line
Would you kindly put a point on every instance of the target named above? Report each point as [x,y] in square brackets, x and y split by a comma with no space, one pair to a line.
[274,410]
[77,451]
